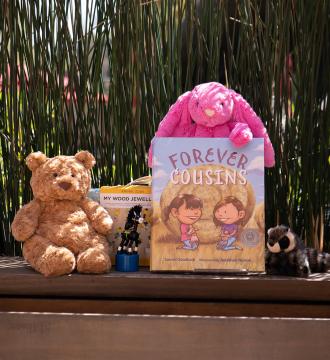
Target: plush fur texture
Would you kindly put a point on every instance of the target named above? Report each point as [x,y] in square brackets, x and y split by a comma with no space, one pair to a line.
[61,228]
[287,255]
[212,110]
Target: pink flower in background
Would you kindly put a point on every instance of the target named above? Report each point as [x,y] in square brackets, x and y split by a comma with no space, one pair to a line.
[5,80]
[8,76]
[68,94]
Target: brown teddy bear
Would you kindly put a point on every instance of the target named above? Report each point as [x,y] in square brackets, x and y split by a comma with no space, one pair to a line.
[61,228]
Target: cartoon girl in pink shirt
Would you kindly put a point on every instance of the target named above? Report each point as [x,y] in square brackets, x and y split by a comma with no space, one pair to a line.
[228,214]
[187,209]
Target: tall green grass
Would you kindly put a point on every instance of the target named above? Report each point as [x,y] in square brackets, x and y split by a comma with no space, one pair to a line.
[101,76]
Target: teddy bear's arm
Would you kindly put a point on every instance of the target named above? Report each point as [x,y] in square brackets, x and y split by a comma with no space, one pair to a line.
[26,221]
[99,217]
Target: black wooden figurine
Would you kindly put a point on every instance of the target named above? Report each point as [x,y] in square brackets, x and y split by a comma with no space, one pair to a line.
[130,236]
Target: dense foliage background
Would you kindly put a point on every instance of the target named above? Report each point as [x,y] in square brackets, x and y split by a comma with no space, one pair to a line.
[100,74]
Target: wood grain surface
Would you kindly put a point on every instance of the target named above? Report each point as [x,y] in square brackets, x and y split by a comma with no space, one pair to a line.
[146,315]
[158,307]
[70,336]
[18,279]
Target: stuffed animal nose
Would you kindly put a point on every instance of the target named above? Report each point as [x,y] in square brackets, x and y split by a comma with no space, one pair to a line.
[64,185]
[209,112]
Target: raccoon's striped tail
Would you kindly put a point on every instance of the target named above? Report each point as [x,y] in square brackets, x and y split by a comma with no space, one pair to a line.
[318,261]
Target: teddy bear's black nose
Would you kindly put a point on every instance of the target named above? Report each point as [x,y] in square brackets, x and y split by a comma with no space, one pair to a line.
[64,185]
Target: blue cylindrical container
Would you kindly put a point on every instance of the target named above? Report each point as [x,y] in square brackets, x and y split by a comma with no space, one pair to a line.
[127,263]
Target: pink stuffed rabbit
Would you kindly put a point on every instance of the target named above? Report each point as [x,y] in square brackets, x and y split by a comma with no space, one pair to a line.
[212,110]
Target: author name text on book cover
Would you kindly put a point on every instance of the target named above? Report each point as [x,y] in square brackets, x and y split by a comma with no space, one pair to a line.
[208,205]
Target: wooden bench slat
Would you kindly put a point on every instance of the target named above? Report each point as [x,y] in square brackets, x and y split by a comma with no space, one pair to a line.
[68,336]
[17,279]
[189,308]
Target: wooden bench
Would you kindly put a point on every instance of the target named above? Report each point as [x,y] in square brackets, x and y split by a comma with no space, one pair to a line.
[164,316]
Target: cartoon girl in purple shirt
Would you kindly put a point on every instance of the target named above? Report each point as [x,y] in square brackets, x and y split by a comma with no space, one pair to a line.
[228,214]
[187,209]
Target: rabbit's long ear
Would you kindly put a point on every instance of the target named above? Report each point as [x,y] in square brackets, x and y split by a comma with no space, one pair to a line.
[243,112]
[177,117]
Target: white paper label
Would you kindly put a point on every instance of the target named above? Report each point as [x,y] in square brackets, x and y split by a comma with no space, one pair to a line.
[125,200]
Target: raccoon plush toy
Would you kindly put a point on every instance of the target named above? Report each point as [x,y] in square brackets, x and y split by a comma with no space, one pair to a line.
[287,255]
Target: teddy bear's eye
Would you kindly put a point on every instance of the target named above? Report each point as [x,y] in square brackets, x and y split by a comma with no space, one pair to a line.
[73,175]
[55,175]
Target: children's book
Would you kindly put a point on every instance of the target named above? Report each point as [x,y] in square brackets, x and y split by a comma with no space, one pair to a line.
[118,200]
[208,205]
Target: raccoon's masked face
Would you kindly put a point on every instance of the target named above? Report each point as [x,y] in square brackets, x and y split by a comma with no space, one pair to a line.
[281,239]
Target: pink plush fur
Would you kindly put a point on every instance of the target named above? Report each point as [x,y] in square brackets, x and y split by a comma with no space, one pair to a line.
[212,110]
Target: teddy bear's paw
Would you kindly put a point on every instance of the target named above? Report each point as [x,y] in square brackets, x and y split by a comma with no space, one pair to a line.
[105,225]
[93,261]
[56,261]
[24,229]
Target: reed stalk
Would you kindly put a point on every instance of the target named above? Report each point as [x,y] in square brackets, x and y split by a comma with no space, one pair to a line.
[100,75]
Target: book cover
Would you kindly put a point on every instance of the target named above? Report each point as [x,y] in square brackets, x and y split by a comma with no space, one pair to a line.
[208,205]
[118,200]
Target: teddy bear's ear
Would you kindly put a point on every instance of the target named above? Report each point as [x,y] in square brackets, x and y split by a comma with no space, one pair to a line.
[86,158]
[34,160]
